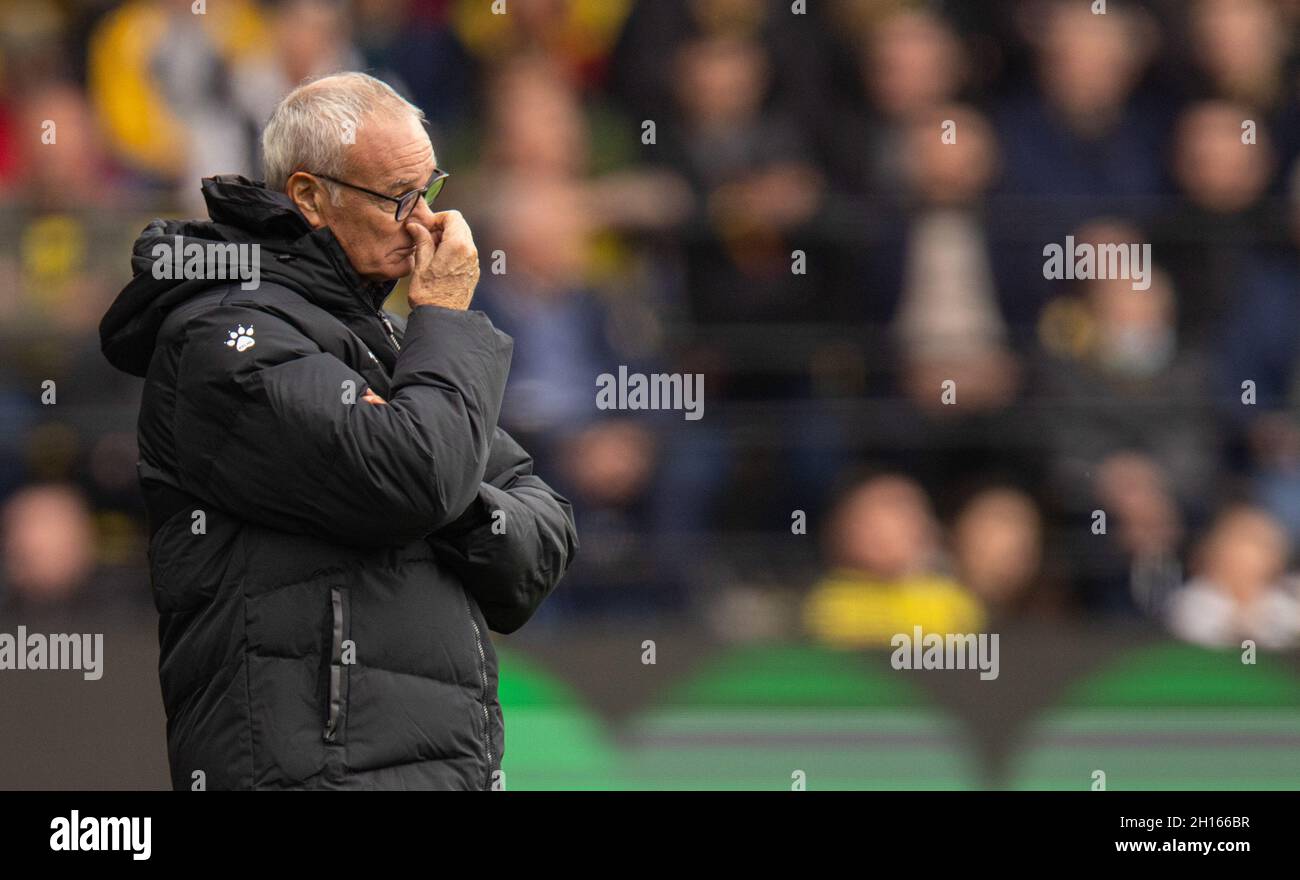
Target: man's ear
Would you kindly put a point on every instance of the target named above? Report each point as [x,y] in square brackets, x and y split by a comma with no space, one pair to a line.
[308,195]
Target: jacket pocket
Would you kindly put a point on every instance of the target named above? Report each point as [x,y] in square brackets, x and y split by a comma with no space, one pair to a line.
[336,697]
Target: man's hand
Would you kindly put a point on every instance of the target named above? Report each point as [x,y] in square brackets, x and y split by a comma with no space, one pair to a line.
[446,262]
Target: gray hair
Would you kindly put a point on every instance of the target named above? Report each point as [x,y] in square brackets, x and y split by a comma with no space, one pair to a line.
[313,126]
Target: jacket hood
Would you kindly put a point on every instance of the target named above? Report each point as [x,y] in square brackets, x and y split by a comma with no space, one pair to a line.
[194,255]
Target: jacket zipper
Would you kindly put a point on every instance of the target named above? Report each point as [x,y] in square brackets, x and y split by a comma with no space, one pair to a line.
[388,328]
[482,672]
[336,667]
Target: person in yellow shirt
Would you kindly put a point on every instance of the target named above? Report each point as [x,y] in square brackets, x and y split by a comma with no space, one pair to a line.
[146,58]
[886,574]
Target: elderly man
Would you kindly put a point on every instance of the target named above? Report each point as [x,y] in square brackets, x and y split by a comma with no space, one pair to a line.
[336,519]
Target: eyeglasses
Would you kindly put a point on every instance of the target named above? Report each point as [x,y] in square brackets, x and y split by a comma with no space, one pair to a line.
[406,201]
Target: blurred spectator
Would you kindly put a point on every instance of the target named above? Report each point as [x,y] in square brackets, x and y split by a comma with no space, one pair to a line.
[1240,48]
[751,175]
[159,76]
[536,126]
[63,187]
[1129,430]
[948,323]
[536,129]
[49,545]
[1242,51]
[304,38]
[998,553]
[1240,589]
[565,337]
[1258,372]
[565,334]
[1084,138]
[1208,237]
[1217,170]
[35,50]
[910,63]
[887,574]
[1115,350]
[952,356]
[68,171]
[411,43]
[798,47]
[757,194]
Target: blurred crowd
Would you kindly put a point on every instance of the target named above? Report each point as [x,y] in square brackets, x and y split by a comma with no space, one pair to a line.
[836,214]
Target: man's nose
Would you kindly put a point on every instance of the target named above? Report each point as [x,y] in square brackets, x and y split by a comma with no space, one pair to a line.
[422,213]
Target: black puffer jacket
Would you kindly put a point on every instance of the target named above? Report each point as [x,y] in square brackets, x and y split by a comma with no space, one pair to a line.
[326,569]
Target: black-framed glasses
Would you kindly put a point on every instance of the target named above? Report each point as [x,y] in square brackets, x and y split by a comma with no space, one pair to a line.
[406,201]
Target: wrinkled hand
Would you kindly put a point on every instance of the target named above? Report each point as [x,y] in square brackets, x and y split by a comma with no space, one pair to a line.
[446,262]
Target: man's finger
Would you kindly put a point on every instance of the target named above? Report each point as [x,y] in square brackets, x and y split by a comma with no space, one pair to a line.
[424,245]
[443,218]
[418,232]
[449,224]
[456,237]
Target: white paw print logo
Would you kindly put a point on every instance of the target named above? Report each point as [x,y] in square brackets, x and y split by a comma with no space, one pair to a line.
[241,339]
